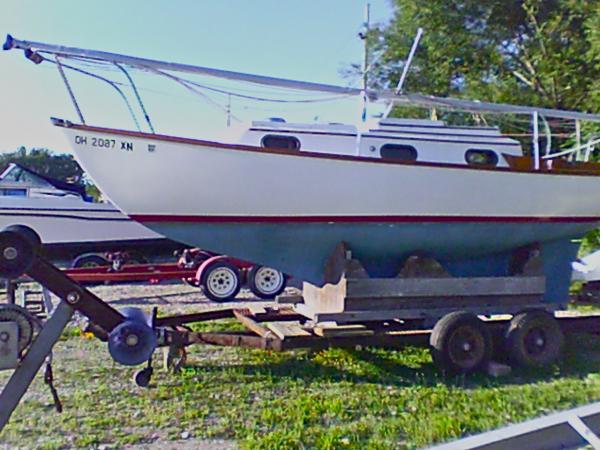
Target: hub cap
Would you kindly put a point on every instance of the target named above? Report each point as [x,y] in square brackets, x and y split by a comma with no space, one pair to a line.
[268,280]
[10,253]
[466,347]
[222,282]
[535,341]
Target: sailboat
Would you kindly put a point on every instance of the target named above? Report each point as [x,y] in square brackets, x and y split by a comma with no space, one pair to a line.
[286,194]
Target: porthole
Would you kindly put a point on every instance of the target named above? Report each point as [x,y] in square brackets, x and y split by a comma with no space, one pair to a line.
[398,152]
[480,157]
[281,142]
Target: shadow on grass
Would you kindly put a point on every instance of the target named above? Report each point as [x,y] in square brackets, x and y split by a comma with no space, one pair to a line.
[392,368]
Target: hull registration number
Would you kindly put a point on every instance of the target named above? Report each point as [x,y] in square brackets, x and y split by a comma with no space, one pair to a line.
[104,143]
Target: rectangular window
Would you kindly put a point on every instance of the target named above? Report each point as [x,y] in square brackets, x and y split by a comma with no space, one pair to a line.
[13,192]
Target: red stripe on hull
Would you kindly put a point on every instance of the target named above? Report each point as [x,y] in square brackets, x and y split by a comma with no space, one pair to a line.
[357,219]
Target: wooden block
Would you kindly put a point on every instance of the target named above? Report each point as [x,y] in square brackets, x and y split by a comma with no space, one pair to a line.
[329,298]
[340,263]
[328,330]
[287,329]
[447,287]
[289,299]
[428,303]
[256,309]
[253,326]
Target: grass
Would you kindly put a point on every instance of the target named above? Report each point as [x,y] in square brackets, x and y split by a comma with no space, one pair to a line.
[332,399]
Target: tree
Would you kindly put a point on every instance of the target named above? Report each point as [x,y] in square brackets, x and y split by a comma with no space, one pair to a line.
[534,52]
[61,166]
[43,161]
[516,51]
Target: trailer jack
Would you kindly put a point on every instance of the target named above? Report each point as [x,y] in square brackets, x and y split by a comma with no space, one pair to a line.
[132,335]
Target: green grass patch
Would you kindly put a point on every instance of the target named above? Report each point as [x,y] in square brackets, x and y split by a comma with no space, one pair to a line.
[331,399]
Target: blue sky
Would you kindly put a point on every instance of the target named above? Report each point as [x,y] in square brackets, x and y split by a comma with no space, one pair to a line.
[308,40]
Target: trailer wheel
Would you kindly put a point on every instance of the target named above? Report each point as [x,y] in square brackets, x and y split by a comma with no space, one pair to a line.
[89,261]
[265,282]
[221,281]
[18,248]
[460,343]
[143,376]
[533,339]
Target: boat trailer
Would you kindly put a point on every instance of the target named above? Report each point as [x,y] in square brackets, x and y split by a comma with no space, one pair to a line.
[219,276]
[392,313]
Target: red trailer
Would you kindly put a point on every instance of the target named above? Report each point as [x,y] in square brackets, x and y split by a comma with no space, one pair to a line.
[221,277]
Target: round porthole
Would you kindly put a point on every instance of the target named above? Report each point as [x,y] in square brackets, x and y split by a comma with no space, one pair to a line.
[479,157]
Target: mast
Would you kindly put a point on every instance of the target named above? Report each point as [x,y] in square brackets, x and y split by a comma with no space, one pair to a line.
[33,50]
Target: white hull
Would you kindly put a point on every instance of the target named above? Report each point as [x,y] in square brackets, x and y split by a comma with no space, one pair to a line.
[202,180]
[72,221]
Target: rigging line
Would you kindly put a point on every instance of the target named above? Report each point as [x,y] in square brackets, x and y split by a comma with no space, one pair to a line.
[194,90]
[248,97]
[107,66]
[264,99]
[137,95]
[106,80]
[223,91]
[71,94]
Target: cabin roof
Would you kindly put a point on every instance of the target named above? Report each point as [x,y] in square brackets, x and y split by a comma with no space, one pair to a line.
[57,184]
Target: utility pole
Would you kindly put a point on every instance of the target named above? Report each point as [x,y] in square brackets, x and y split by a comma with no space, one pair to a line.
[364,33]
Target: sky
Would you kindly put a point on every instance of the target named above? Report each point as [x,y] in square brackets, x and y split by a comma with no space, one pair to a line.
[310,40]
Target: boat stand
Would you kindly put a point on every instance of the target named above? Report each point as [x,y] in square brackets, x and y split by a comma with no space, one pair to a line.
[351,296]
[30,364]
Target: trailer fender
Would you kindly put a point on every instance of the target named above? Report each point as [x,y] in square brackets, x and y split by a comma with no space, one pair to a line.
[206,264]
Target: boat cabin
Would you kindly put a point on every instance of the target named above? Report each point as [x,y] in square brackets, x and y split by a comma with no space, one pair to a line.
[408,140]
[19,181]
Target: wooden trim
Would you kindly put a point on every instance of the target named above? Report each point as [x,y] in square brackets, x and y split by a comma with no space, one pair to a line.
[553,166]
[301,154]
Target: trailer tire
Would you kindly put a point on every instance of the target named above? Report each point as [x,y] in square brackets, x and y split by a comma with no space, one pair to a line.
[18,249]
[29,234]
[460,343]
[266,282]
[221,281]
[89,260]
[533,339]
